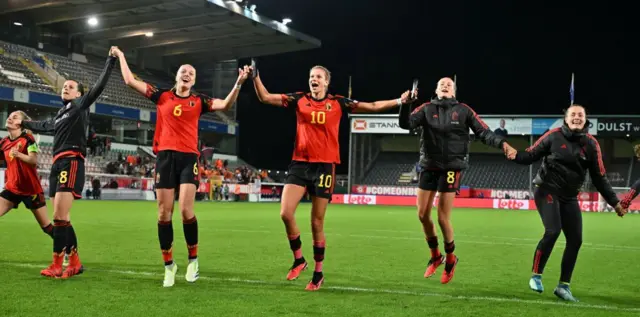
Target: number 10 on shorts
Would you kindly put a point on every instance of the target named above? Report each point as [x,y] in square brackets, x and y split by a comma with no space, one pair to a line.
[325,181]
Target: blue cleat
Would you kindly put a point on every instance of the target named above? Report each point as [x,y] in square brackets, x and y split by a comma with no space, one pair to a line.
[535,283]
[563,292]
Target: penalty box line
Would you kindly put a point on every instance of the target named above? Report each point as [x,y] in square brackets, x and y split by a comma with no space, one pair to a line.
[370,290]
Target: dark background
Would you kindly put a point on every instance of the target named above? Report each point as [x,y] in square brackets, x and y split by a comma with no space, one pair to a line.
[510,57]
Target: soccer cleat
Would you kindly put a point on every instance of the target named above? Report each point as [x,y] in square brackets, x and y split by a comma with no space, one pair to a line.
[563,292]
[316,282]
[298,266]
[74,267]
[55,269]
[433,265]
[192,271]
[170,275]
[535,283]
[449,269]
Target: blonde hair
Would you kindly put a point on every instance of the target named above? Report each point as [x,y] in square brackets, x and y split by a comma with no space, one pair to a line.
[636,149]
[25,117]
[325,70]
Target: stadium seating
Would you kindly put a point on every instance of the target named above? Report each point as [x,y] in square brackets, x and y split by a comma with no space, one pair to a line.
[13,72]
[115,93]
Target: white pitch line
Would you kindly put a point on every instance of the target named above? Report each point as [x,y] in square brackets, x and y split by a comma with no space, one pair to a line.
[371,290]
[488,240]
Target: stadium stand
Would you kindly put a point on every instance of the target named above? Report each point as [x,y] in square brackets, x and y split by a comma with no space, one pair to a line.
[13,72]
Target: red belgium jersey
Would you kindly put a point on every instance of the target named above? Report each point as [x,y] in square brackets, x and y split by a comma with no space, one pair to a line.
[318,126]
[20,178]
[177,119]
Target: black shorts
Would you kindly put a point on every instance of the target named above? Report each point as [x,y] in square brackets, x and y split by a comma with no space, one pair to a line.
[318,178]
[176,168]
[67,175]
[32,202]
[440,181]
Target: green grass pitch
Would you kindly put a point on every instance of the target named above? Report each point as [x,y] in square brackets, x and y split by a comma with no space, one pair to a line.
[374,263]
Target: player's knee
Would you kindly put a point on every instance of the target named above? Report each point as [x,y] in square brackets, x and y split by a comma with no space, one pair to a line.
[425,215]
[574,242]
[317,223]
[286,215]
[552,234]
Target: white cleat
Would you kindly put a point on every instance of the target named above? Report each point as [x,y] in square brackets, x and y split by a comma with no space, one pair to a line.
[170,275]
[193,272]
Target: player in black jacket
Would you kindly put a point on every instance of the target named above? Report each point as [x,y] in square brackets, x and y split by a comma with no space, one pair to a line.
[67,171]
[567,153]
[445,124]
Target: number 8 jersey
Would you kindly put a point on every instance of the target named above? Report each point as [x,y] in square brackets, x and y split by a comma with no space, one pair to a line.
[318,126]
[177,119]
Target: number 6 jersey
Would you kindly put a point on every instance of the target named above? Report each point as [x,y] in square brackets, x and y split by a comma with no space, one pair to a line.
[177,119]
[318,126]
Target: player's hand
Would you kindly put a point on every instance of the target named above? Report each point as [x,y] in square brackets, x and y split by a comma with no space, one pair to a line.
[14,152]
[115,52]
[620,210]
[254,68]
[509,151]
[243,74]
[406,97]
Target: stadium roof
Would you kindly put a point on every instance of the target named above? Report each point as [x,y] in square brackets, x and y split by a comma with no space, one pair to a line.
[184,31]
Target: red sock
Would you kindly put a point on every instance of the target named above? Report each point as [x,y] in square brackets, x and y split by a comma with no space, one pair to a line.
[433,246]
[296,245]
[449,247]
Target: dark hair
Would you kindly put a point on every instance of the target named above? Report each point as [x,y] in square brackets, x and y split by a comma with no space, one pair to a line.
[575,105]
[80,86]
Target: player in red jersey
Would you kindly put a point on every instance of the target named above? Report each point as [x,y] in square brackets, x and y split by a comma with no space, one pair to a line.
[22,185]
[314,158]
[176,144]
[635,188]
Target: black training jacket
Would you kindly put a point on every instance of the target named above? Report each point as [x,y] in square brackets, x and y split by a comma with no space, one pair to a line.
[70,123]
[566,157]
[445,123]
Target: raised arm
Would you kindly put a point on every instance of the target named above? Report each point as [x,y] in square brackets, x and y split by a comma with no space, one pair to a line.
[127,75]
[382,105]
[100,84]
[226,103]
[410,120]
[599,174]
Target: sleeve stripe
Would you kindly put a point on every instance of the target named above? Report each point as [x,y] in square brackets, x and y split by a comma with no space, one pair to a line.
[484,125]
[416,110]
[603,171]
[544,136]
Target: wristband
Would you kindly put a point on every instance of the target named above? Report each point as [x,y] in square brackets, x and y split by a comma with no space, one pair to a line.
[238,86]
[399,101]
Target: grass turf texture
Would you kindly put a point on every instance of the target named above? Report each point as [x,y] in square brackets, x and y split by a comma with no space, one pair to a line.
[375,260]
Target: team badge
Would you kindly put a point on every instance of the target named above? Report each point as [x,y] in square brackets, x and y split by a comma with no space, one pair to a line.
[454,116]
[327,106]
[192,103]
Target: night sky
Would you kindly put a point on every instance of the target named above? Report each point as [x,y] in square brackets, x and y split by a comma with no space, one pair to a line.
[510,57]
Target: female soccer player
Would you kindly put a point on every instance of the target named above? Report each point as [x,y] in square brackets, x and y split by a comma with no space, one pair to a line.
[445,124]
[315,155]
[176,143]
[20,152]
[568,153]
[67,171]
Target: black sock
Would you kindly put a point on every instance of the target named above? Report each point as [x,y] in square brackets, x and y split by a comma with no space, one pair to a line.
[59,235]
[190,228]
[296,244]
[165,235]
[72,240]
[48,229]
[449,247]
